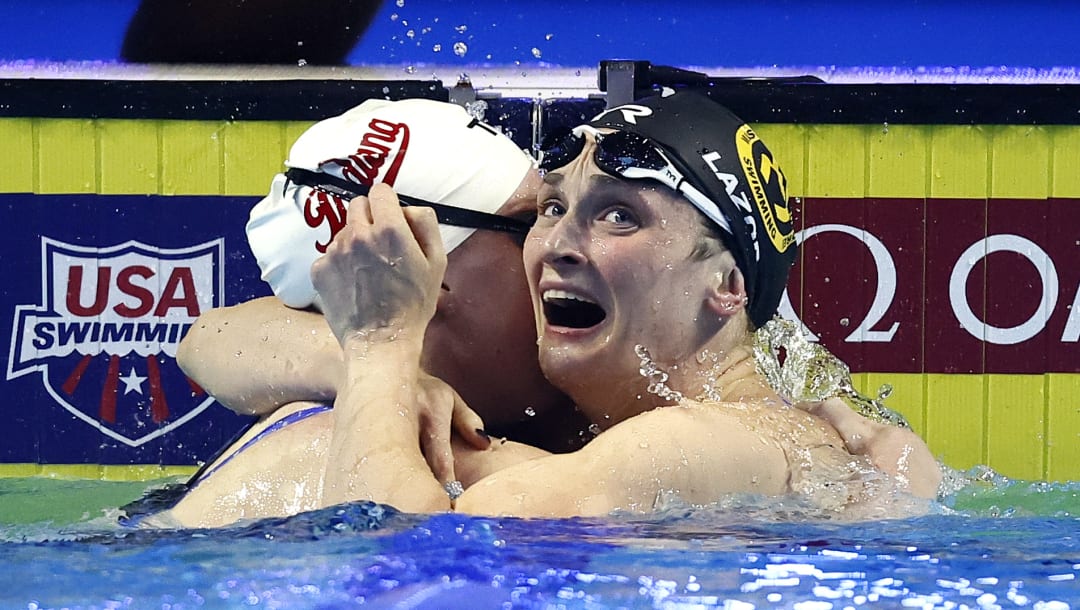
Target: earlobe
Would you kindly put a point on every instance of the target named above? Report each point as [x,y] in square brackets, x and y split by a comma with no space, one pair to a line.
[725,298]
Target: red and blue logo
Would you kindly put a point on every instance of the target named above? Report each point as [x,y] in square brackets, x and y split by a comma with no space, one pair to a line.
[105,333]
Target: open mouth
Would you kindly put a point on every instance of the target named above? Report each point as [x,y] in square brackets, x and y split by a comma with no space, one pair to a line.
[570,310]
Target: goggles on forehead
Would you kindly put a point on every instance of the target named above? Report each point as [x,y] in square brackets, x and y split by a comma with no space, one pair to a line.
[447,214]
[628,155]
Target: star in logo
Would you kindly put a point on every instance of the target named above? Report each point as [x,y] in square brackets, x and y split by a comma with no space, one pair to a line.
[132,382]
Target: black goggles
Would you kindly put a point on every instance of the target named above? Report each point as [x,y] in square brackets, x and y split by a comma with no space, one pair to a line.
[447,214]
[628,155]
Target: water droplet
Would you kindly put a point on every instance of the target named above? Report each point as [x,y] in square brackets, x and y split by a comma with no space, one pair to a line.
[436,48]
[400,3]
[393,17]
[386,90]
[536,52]
[460,49]
[885,127]
[549,36]
[531,412]
[410,69]
[461,28]
[301,63]
[845,322]
[411,33]
[594,429]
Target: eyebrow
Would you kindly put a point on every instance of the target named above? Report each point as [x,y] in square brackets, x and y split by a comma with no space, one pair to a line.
[555,179]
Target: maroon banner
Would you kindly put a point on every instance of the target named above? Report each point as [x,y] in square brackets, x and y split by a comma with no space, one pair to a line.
[941,285]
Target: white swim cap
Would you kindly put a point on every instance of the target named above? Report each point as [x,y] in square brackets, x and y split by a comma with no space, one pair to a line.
[426,149]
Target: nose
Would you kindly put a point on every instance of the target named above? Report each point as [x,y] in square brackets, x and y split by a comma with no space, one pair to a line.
[562,244]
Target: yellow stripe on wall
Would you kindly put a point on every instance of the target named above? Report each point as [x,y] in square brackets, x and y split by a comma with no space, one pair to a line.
[1065,161]
[955,418]
[897,161]
[836,161]
[1062,427]
[252,155]
[1020,162]
[17,162]
[130,157]
[191,158]
[1015,418]
[791,140]
[66,152]
[131,472]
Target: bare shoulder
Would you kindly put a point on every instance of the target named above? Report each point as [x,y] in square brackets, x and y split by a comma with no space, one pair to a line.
[705,450]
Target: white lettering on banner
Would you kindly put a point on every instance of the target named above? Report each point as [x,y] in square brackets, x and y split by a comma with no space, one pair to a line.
[958,289]
[883,295]
[1071,334]
[629,112]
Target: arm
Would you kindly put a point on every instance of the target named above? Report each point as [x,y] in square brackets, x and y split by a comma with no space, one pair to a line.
[379,282]
[698,453]
[259,355]
[898,452]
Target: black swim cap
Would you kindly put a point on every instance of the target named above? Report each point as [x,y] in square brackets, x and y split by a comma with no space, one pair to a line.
[722,157]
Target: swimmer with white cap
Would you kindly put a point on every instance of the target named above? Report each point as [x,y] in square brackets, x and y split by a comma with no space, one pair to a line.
[259,355]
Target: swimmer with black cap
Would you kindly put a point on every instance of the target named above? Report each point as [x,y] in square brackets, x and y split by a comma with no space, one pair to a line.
[645,308]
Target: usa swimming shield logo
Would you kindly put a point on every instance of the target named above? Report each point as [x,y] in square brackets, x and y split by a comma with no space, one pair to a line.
[105,334]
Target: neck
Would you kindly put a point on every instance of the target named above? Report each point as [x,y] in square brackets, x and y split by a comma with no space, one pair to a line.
[721,371]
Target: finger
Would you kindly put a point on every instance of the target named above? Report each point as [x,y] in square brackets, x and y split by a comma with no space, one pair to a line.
[435,444]
[385,208]
[359,211]
[469,425]
[853,428]
[425,226]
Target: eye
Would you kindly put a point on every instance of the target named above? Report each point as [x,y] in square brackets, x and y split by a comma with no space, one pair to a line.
[552,208]
[620,216]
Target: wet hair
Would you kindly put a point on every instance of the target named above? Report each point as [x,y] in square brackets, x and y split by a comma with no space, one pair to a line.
[708,243]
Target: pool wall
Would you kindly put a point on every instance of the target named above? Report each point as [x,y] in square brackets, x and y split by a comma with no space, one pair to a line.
[939,227]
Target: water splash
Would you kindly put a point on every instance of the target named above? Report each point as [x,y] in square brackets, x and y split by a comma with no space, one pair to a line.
[710,389]
[656,376]
[477,109]
[811,373]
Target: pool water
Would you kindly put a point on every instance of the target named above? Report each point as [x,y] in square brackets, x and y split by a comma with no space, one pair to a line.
[994,543]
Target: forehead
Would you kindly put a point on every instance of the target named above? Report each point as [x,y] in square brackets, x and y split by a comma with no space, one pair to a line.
[592,182]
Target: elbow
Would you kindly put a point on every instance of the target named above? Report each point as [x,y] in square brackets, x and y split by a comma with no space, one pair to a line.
[189,351]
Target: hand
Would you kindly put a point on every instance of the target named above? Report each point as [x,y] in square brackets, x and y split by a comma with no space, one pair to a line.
[383,271]
[442,412]
[898,452]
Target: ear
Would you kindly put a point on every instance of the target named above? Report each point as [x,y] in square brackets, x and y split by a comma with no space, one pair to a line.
[728,294]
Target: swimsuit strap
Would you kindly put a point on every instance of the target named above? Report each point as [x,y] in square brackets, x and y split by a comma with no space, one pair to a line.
[274,427]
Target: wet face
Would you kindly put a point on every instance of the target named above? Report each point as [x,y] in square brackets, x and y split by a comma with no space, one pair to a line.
[482,340]
[609,266]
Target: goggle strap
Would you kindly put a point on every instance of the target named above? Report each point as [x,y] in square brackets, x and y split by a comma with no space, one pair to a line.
[447,214]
